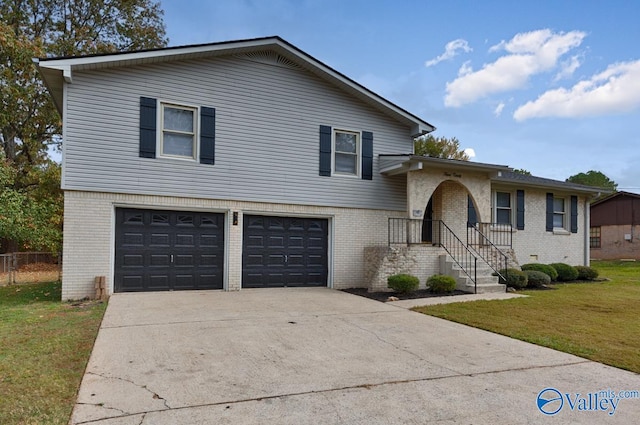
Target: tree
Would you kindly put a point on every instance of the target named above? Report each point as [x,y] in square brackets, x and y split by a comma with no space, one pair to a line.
[29,123]
[31,218]
[595,179]
[440,147]
[522,171]
[36,28]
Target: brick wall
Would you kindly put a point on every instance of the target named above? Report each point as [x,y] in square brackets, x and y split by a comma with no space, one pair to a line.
[417,260]
[535,245]
[614,246]
[88,246]
[421,185]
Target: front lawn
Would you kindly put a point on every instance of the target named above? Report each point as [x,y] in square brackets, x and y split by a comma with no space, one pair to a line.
[44,348]
[598,321]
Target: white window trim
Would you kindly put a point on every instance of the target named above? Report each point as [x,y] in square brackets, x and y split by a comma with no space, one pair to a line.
[565,221]
[494,209]
[160,131]
[358,153]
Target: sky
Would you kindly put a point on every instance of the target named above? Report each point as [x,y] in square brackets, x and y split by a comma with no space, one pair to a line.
[552,87]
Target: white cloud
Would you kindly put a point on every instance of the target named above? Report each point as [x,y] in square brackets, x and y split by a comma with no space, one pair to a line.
[568,67]
[617,89]
[528,54]
[471,153]
[451,49]
[498,111]
[465,69]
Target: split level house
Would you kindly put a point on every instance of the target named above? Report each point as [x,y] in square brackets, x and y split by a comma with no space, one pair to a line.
[250,164]
[615,227]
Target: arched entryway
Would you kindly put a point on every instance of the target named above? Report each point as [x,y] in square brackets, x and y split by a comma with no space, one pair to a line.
[453,204]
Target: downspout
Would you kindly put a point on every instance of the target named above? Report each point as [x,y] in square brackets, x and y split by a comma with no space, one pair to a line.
[587,231]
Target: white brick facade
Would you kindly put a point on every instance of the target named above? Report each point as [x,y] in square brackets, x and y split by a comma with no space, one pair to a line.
[535,245]
[449,193]
[89,236]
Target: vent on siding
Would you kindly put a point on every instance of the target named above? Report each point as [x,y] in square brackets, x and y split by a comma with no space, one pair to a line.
[269,57]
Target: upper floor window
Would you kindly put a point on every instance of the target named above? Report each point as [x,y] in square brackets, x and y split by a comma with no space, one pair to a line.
[178,136]
[503,210]
[559,213]
[346,150]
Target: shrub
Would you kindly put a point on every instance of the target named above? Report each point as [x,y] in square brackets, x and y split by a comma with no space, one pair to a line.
[403,283]
[514,278]
[586,273]
[566,272]
[536,279]
[544,268]
[440,283]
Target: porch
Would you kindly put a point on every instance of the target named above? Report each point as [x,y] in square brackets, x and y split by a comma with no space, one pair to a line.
[444,231]
[424,247]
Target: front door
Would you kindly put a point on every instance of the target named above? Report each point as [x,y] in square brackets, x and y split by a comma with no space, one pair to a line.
[427,223]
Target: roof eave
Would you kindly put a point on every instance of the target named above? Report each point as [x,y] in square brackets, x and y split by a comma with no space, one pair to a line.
[559,185]
[402,164]
[54,78]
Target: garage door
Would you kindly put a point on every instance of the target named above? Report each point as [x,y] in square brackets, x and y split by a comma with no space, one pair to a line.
[284,251]
[168,250]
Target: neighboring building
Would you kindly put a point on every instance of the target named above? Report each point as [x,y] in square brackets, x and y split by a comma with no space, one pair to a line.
[615,227]
[251,164]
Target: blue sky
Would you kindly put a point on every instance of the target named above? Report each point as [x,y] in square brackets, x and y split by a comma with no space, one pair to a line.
[549,86]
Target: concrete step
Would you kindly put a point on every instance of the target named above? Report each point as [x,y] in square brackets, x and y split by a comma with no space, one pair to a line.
[480,271]
[484,288]
[466,285]
[486,282]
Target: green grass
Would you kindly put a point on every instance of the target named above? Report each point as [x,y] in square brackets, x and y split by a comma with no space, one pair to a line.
[598,321]
[44,348]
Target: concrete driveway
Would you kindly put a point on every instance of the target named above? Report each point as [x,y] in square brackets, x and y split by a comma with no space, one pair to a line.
[319,356]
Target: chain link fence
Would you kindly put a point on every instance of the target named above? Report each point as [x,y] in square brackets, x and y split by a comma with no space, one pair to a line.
[30,267]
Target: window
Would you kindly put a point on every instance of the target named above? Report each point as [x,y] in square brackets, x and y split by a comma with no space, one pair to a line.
[562,214]
[346,152]
[502,213]
[594,237]
[178,136]
[559,213]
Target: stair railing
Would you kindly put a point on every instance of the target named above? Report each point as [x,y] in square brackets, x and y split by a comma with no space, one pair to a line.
[487,250]
[458,251]
[435,232]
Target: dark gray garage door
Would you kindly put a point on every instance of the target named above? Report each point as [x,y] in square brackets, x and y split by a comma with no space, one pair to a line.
[284,251]
[168,250]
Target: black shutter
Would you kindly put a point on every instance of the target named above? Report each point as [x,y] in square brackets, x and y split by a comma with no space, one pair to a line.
[147,127]
[367,155]
[549,212]
[207,135]
[325,150]
[574,214]
[520,209]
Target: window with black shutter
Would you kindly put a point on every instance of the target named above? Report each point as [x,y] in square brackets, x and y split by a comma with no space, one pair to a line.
[346,153]
[173,130]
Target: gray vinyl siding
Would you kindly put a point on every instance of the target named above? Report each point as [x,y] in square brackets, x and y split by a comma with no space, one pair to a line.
[267,135]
